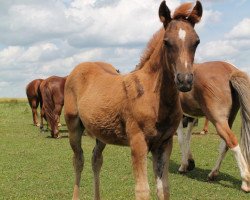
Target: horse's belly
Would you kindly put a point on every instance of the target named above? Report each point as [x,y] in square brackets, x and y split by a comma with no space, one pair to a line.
[109,136]
[107,127]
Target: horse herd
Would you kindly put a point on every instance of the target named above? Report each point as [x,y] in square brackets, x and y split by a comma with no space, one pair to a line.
[143,109]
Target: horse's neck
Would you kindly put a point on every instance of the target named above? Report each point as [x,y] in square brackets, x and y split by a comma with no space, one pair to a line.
[158,69]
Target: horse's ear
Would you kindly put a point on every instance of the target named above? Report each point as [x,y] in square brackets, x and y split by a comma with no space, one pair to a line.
[164,14]
[196,14]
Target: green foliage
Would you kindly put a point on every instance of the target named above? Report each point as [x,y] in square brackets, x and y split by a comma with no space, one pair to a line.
[34,166]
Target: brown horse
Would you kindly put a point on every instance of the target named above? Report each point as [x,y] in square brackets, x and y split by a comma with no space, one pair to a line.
[34,98]
[140,109]
[219,91]
[52,90]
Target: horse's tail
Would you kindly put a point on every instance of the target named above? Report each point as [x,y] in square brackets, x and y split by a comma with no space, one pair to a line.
[49,107]
[241,83]
[40,99]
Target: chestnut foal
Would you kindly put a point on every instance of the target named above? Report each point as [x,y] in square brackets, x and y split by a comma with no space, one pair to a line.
[219,90]
[140,109]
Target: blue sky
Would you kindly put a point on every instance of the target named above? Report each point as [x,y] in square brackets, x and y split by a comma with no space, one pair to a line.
[43,38]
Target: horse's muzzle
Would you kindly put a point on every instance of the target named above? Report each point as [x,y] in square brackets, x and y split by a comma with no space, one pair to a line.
[184,82]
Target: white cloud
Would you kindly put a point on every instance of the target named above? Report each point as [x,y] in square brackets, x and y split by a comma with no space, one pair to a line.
[209,17]
[234,50]
[217,49]
[9,55]
[44,38]
[241,30]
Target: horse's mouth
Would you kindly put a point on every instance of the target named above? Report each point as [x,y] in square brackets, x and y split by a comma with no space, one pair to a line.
[184,88]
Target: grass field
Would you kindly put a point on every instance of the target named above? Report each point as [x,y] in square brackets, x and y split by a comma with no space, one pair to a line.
[34,166]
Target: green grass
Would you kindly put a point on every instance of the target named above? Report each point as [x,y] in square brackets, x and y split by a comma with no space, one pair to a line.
[34,166]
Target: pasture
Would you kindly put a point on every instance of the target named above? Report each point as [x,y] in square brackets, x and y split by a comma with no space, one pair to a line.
[35,166]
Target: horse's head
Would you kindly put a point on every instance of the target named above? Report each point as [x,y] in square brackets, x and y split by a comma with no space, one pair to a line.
[180,41]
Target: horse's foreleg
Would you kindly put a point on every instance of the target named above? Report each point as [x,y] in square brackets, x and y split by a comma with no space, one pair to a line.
[75,136]
[232,143]
[191,163]
[139,152]
[222,153]
[181,140]
[161,157]
[97,160]
[187,162]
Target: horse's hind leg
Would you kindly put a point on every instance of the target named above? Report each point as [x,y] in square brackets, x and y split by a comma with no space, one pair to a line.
[97,160]
[42,118]
[232,143]
[222,153]
[76,129]
[34,104]
[57,112]
[161,157]
[223,146]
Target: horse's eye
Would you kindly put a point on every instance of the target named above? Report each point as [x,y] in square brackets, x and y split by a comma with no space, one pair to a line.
[197,43]
[167,44]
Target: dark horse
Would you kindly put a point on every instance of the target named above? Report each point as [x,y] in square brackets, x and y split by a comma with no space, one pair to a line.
[219,91]
[140,109]
[34,98]
[52,90]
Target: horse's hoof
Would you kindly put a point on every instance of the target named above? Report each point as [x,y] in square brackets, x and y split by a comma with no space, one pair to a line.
[212,175]
[56,136]
[191,164]
[245,187]
[203,132]
[182,170]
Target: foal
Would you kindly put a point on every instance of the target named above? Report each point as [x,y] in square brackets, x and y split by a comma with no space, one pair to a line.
[52,90]
[141,109]
[34,98]
[219,91]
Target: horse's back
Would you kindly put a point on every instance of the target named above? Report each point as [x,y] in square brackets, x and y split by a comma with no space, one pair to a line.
[91,75]
[33,87]
[214,68]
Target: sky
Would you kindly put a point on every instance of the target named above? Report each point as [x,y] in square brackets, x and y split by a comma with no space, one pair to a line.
[39,39]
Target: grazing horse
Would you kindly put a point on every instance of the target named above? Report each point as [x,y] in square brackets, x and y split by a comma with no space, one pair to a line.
[219,91]
[34,98]
[140,109]
[52,91]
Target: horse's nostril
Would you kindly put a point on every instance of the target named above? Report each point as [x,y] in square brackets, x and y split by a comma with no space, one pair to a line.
[180,78]
[190,78]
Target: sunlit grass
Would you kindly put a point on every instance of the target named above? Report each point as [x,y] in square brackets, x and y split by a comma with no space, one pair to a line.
[34,166]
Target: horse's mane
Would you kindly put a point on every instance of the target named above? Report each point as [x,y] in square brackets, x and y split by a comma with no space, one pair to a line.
[184,11]
[148,51]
